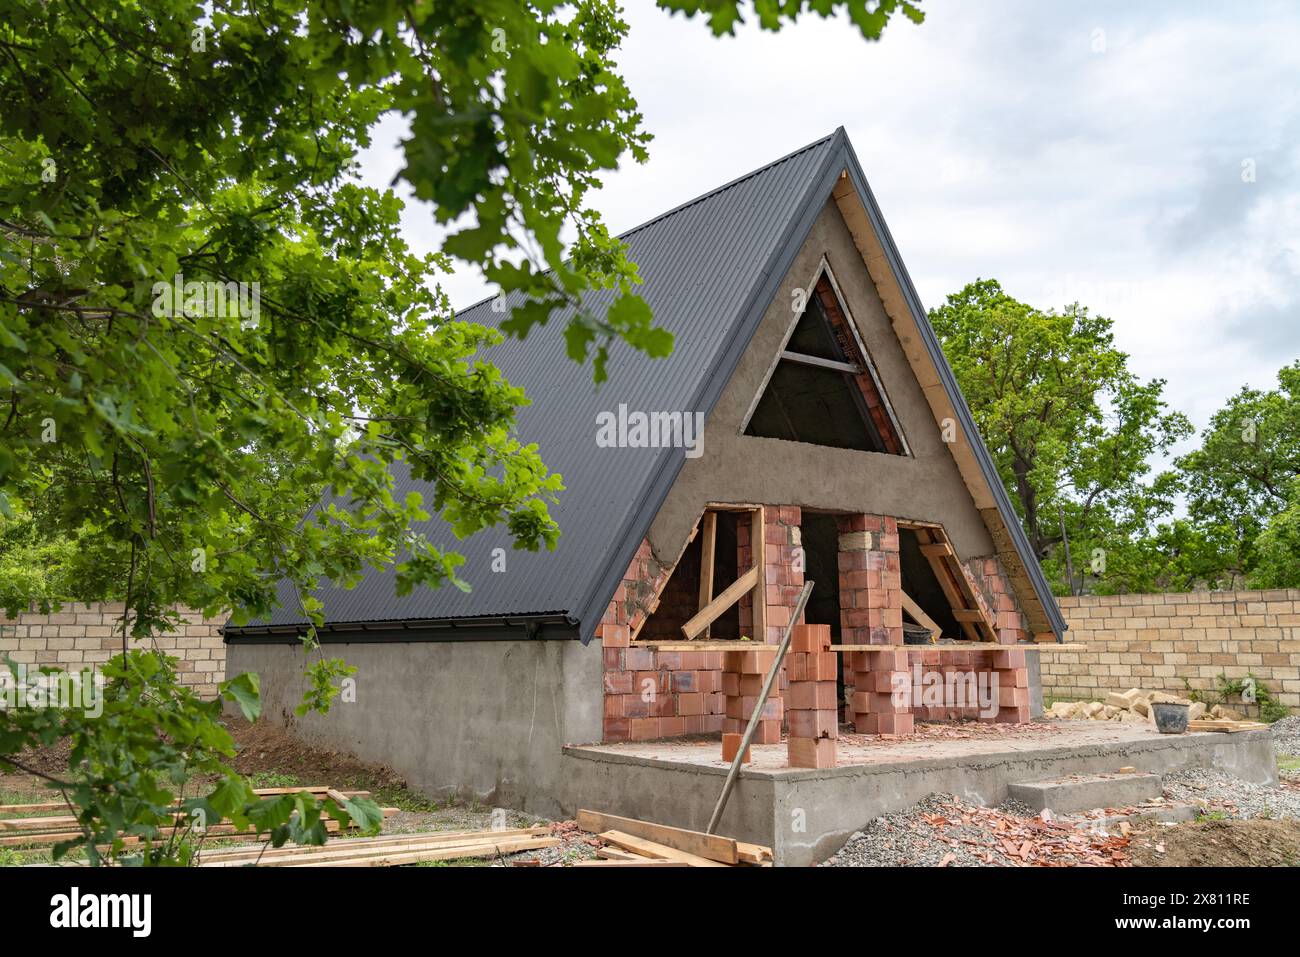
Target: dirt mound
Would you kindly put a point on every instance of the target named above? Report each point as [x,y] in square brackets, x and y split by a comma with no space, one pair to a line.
[264,747]
[260,748]
[1219,843]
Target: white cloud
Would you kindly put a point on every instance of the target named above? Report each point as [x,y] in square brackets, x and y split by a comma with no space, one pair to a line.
[1002,143]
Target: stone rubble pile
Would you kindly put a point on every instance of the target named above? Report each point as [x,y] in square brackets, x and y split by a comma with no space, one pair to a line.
[1134,707]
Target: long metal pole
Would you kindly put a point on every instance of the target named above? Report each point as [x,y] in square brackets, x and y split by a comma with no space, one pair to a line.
[795,614]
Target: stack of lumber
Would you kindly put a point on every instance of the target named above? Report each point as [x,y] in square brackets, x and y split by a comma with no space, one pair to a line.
[390,850]
[1226,725]
[43,826]
[627,842]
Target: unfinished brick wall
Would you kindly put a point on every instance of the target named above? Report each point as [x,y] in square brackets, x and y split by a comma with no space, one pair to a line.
[782,570]
[82,635]
[653,694]
[658,694]
[1155,641]
[993,591]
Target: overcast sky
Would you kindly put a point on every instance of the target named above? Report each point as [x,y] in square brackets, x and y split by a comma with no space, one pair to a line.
[1093,151]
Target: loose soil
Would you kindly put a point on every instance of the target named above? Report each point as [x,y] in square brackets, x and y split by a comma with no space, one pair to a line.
[1218,843]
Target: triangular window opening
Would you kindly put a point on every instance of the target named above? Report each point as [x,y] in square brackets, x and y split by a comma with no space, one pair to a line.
[821,391]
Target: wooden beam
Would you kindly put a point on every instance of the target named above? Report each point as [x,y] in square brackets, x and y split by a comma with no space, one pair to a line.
[968,614]
[919,616]
[654,849]
[714,609]
[715,848]
[937,550]
[758,545]
[850,367]
[707,546]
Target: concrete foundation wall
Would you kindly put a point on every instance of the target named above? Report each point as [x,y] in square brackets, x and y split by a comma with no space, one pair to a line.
[805,816]
[482,720]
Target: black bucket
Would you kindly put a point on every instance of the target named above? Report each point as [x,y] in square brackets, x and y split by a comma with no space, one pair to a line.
[1170,718]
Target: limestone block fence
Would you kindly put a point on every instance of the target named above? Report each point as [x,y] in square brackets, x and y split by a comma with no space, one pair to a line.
[1155,641]
[81,635]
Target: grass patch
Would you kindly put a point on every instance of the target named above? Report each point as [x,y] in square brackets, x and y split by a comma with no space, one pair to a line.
[1288,762]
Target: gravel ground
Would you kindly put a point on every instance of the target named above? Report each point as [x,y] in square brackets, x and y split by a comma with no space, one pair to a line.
[895,841]
[1231,796]
[1286,735]
[942,831]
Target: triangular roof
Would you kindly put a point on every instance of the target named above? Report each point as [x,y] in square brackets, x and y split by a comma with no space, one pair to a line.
[711,268]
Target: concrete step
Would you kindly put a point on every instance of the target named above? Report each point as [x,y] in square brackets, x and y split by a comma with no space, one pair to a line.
[1083,792]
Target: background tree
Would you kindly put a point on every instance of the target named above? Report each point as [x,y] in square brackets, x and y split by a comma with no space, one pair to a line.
[1242,480]
[1070,428]
[180,436]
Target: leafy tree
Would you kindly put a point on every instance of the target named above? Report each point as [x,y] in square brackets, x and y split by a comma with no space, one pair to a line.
[1277,549]
[1069,426]
[1242,478]
[205,322]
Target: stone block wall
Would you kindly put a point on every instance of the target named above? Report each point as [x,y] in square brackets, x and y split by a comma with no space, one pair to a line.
[81,635]
[1155,641]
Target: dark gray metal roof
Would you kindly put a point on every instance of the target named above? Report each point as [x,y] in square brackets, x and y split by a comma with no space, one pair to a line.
[711,267]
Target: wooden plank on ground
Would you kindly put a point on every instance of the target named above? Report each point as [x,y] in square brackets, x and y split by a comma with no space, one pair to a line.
[712,846]
[641,862]
[439,853]
[348,850]
[256,851]
[645,848]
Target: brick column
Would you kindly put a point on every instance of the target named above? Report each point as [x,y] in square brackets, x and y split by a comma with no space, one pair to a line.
[1013,686]
[813,712]
[871,613]
[743,674]
[782,569]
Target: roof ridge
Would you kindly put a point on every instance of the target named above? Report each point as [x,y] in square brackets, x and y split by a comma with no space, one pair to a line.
[698,199]
[728,185]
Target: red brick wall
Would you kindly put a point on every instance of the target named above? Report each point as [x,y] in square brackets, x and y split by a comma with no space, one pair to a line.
[656,694]
[653,694]
[993,589]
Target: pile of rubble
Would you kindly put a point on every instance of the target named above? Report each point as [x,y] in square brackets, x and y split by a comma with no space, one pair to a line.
[1134,706]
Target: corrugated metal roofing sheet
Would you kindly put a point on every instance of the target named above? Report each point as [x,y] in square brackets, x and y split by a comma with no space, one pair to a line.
[710,268]
[704,264]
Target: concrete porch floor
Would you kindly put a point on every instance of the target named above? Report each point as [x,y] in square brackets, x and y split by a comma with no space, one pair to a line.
[806,815]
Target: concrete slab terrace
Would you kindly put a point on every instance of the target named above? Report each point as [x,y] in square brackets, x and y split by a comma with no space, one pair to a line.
[806,815]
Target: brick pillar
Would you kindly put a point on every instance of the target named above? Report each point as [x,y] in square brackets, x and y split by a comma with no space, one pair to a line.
[812,711]
[871,613]
[743,674]
[782,569]
[1013,686]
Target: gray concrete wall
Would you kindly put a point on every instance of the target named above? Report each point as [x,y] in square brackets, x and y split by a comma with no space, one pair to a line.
[806,816]
[737,468]
[483,719]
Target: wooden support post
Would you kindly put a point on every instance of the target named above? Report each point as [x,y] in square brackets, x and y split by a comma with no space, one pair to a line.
[758,544]
[707,545]
[754,719]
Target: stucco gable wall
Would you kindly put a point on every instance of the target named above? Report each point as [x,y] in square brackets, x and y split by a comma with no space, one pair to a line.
[924,485]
